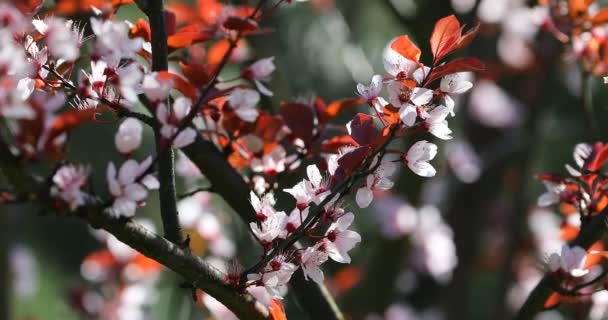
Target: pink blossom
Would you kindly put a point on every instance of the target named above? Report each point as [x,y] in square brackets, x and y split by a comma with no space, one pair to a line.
[128,137]
[128,192]
[379,180]
[181,108]
[68,182]
[260,71]
[243,101]
[339,240]
[418,157]
[156,89]
[372,91]
[571,261]
[311,261]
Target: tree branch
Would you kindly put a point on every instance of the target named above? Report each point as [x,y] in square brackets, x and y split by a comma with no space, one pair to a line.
[589,234]
[176,258]
[166,172]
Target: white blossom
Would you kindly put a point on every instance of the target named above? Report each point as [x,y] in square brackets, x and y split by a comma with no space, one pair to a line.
[418,157]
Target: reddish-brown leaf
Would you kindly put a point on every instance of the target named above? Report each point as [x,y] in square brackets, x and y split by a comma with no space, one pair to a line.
[28,7]
[198,74]
[337,107]
[458,65]
[467,38]
[240,24]
[598,158]
[553,300]
[362,129]
[600,17]
[405,47]
[299,118]
[348,163]
[445,36]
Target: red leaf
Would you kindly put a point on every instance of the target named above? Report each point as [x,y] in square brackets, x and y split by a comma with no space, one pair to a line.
[299,118]
[170,22]
[362,129]
[198,74]
[458,65]
[240,24]
[335,108]
[276,310]
[349,162]
[445,36]
[336,143]
[268,126]
[598,158]
[405,47]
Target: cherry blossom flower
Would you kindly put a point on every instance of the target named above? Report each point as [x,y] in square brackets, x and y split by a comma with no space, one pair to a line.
[293,222]
[315,189]
[68,182]
[113,41]
[264,206]
[269,229]
[243,101]
[170,122]
[128,137]
[339,240]
[379,180]
[129,81]
[436,123]
[311,261]
[418,157]
[63,42]
[156,89]
[260,71]
[408,101]
[372,91]
[128,192]
[275,276]
[397,65]
[571,261]
[453,84]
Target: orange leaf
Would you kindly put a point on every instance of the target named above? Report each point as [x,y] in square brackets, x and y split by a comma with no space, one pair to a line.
[337,107]
[28,7]
[277,312]
[141,29]
[405,47]
[553,300]
[391,114]
[187,36]
[600,17]
[445,36]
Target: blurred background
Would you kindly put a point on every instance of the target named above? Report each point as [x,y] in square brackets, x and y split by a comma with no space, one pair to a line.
[466,244]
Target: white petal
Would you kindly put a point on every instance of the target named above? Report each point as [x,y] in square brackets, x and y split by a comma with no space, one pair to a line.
[364,197]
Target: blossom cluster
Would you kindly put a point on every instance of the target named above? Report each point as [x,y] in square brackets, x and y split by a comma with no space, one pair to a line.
[362,164]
